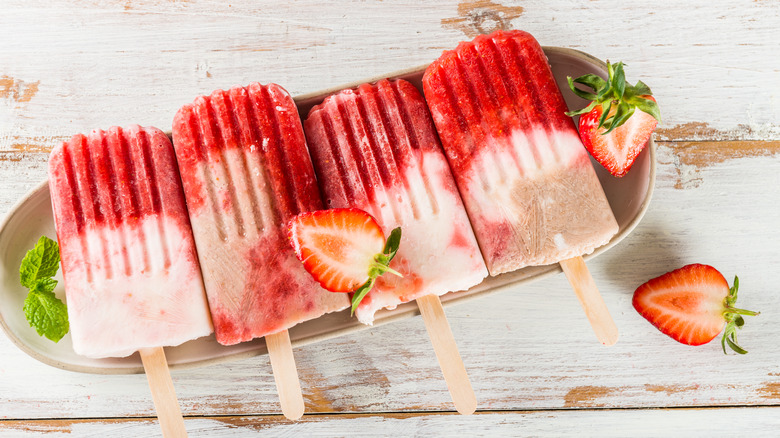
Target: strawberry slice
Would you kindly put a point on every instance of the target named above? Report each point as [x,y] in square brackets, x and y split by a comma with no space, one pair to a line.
[610,127]
[344,249]
[691,305]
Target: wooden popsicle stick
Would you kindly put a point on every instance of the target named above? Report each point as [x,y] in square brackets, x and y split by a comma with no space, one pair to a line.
[447,353]
[595,309]
[163,394]
[285,374]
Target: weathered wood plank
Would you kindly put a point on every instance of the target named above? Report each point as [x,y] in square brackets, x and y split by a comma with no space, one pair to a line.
[759,422]
[73,68]
[682,162]
[19,173]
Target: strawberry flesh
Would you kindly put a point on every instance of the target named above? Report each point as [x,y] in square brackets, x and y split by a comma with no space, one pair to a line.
[617,150]
[691,305]
[337,246]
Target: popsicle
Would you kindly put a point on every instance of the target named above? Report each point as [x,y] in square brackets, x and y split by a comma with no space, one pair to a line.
[526,180]
[246,172]
[375,148]
[132,280]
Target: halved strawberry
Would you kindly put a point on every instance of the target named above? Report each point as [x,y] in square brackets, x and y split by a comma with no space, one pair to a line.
[344,249]
[610,127]
[691,305]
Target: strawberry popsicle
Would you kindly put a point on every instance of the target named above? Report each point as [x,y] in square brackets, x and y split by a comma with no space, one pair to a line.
[246,173]
[375,148]
[132,279]
[527,182]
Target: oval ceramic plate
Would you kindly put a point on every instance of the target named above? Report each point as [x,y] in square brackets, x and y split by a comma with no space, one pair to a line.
[32,217]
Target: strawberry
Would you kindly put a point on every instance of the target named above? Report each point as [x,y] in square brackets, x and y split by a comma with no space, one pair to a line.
[344,249]
[610,127]
[691,305]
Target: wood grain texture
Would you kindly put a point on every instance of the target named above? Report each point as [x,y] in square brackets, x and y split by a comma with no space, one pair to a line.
[74,67]
[285,374]
[68,67]
[591,301]
[705,423]
[689,158]
[163,393]
[446,349]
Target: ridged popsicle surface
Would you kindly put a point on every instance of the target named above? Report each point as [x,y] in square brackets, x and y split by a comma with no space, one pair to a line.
[526,180]
[246,173]
[375,148]
[129,263]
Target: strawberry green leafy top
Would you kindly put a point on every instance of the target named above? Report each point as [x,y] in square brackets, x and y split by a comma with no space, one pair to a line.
[617,98]
[734,319]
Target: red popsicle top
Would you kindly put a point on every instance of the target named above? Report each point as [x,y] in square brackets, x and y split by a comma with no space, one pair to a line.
[114,176]
[385,128]
[261,118]
[490,87]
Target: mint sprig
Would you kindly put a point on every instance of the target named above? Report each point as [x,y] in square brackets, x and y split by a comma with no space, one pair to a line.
[380,265]
[46,313]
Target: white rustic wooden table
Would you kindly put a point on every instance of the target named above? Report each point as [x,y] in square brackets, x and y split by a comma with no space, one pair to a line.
[70,66]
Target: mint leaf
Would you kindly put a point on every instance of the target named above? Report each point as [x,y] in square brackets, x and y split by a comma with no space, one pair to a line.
[47,314]
[44,285]
[40,262]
